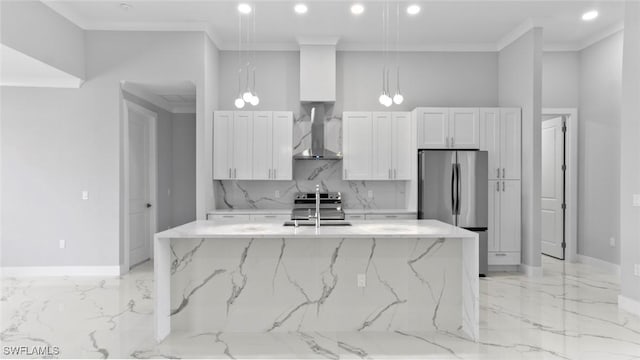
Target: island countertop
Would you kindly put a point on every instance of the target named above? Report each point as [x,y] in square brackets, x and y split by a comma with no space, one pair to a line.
[358,229]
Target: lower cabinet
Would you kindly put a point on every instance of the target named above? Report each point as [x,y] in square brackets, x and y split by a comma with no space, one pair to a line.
[504,233]
[390,216]
[229,218]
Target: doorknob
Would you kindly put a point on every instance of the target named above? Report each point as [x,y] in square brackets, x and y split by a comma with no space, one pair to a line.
[148,205]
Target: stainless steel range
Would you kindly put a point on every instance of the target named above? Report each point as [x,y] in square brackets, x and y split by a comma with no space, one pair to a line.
[304,206]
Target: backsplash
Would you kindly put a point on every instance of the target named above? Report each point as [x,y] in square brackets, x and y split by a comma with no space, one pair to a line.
[248,194]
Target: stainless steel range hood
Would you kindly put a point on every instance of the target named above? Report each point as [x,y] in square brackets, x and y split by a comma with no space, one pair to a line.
[318,151]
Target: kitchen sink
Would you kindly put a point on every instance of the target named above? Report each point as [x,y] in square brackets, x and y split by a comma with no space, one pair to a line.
[322,223]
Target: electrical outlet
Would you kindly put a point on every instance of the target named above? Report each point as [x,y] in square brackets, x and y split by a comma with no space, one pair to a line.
[636,269]
[636,199]
[370,194]
[62,244]
[85,195]
[277,194]
[612,241]
[362,280]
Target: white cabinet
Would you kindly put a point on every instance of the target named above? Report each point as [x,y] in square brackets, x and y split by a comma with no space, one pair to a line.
[504,234]
[272,145]
[448,128]
[376,146]
[232,145]
[502,138]
[252,145]
[229,218]
[357,132]
[391,216]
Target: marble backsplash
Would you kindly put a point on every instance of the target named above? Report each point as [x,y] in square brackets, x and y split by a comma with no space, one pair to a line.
[262,194]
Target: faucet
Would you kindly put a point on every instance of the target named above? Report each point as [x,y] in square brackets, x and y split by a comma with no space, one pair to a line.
[317,215]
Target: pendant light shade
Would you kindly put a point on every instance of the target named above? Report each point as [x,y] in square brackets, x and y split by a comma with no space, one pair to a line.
[239,103]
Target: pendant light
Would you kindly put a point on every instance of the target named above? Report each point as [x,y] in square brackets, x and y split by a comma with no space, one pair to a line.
[384,95]
[247,96]
[397,97]
[255,100]
[239,102]
[385,98]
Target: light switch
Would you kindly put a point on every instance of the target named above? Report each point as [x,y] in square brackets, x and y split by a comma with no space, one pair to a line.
[636,199]
[370,194]
[62,244]
[85,195]
[362,280]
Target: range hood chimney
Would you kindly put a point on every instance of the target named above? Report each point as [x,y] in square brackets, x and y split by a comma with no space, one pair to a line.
[318,91]
[317,151]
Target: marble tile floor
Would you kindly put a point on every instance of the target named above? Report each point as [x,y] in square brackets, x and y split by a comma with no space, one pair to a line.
[569,313]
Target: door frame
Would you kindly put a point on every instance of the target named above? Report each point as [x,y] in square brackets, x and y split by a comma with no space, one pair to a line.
[152,117]
[571,179]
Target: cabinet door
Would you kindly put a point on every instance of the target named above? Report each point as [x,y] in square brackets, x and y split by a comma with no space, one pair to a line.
[262,148]
[464,128]
[242,140]
[282,145]
[510,216]
[433,128]
[357,145]
[382,148]
[402,153]
[490,127]
[493,231]
[510,143]
[222,145]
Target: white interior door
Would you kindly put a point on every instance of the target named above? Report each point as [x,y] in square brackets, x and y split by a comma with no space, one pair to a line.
[139,188]
[552,190]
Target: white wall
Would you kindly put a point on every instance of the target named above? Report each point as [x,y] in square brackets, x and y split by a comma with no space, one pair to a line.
[561,79]
[427,79]
[520,85]
[630,148]
[35,30]
[58,142]
[599,150]
[183,163]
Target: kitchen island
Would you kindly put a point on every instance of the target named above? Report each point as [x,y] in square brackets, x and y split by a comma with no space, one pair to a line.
[404,275]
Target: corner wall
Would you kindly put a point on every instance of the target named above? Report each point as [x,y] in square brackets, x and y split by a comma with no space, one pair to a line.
[520,85]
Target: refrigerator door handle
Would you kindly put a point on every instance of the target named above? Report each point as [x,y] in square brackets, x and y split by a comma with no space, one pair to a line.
[458,188]
[453,186]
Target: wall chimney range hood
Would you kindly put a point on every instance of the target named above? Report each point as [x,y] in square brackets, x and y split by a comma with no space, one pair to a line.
[317,151]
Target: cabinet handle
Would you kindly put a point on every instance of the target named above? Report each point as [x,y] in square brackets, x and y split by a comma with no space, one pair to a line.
[453,142]
[503,186]
[391,216]
[269,173]
[395,173]
[227,216]
[503,173]
[270,216]
[498,173]
[497,186]
[447,142]
[275,171]
[229,173]
[235,173]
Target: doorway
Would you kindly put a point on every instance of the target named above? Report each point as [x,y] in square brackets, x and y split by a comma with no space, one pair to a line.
[141,183]
[558,179]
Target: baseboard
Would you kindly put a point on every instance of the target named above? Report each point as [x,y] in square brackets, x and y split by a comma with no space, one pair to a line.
[629,305]
[604,265]
[27,271]
[503,268]
[531,271]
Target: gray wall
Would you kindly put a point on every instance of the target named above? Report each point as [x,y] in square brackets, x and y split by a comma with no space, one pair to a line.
[427,79]
[561,79]
[58,142]
[630,148]
[183,162]
[520,85]
[35,30]
[599,149]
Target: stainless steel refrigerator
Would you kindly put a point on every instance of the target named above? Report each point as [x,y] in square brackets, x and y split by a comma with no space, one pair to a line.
[452,188]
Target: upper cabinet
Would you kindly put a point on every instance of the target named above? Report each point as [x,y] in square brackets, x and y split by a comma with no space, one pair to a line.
[376,146]
[448,128]
[252,145]
[502,138]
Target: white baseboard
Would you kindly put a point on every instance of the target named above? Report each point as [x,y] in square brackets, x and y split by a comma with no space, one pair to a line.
[629,305]
[27,271]
[531,271]
[604,265]
[503,268]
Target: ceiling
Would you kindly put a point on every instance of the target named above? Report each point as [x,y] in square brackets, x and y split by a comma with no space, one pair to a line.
[475,25]
[19,69]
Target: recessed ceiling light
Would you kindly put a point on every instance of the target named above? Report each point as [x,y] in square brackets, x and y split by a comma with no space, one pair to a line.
[590,15]
[357,9]
[125,6]
[244,8]
[300,8]
[413,9]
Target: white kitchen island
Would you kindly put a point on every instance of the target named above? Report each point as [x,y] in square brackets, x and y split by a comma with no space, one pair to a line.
[419,275]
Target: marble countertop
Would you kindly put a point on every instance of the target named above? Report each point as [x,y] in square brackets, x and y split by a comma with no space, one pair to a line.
[288,211]
[359,229]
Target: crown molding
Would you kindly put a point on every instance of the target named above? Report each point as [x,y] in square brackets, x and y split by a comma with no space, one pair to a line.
[181,108]
[602,35]
[514,34]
